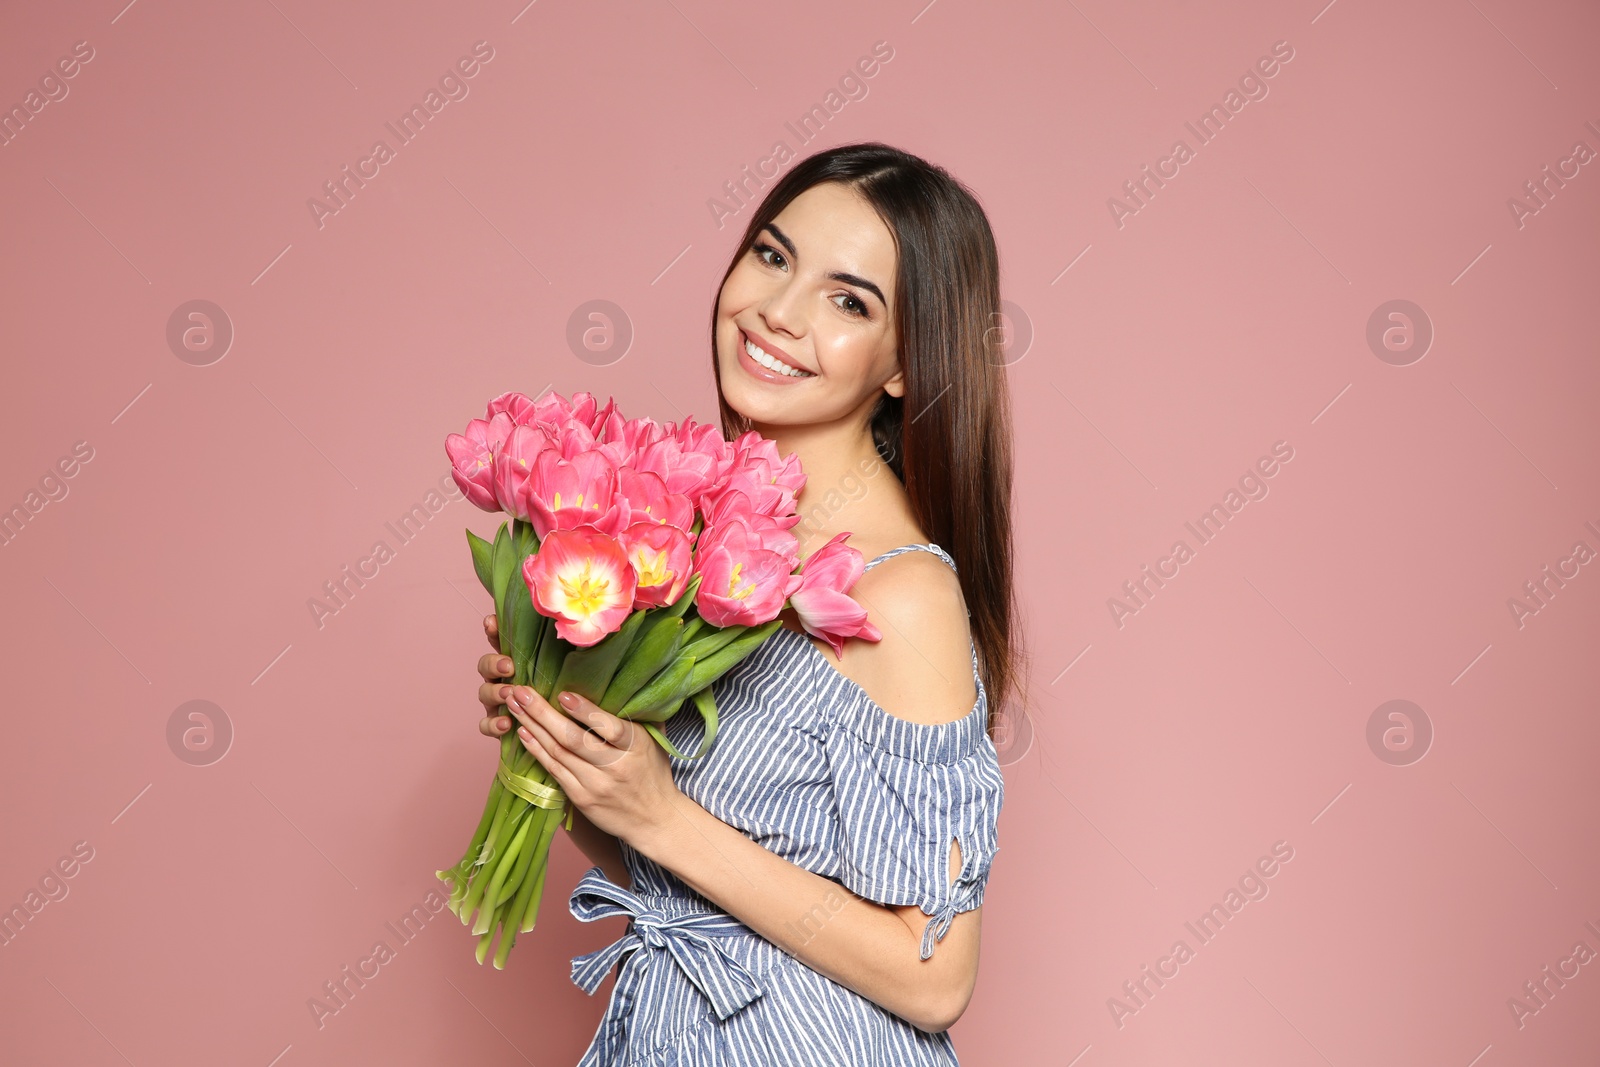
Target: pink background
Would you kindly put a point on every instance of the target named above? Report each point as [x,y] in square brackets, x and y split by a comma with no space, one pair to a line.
[1164,756]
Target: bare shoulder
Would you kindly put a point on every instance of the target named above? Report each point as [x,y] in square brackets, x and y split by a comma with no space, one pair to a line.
[922,669]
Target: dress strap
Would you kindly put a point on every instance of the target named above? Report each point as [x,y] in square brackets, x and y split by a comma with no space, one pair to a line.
[930,547]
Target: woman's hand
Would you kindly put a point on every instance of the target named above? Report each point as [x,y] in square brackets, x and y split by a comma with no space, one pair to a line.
[612,770]
[492,693]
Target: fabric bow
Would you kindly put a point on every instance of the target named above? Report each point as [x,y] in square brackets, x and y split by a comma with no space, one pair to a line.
[725,982]
[938,925]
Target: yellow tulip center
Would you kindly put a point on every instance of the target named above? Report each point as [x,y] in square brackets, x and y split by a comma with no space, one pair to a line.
[735,592]
[586,594]
[555,502]
[652,570]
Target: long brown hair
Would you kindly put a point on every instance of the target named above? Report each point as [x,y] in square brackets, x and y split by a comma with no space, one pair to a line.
[954,455]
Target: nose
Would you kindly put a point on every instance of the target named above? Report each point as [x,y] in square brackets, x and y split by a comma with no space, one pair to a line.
[781,310]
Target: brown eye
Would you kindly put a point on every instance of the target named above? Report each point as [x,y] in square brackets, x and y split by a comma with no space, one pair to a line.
[761,251]
[859,309]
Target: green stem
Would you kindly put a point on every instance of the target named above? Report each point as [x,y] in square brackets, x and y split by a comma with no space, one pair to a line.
[537,817]
[458,876]
[499,834]
[491,893]
[531,916]
[525,888]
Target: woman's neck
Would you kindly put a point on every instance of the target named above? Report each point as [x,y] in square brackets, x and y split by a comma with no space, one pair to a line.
[848,487]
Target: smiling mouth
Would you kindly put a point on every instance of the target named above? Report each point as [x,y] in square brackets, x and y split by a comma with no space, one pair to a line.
[772,363]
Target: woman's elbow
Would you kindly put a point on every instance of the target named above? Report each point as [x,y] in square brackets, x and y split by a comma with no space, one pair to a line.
[942,1009]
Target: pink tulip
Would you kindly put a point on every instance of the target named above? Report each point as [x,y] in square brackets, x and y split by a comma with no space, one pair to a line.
[767,531]
[774,536]
[582,579]
[743,584]
[750,446]
[645,498]
[626,438]
[689,473]
[562,494]
[823,603]
[662,561]
[571,437]
[514,464]
[597,423]
[517,407]
[472,467]
[763,495]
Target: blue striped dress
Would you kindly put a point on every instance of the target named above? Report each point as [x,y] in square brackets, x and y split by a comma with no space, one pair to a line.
[808,766]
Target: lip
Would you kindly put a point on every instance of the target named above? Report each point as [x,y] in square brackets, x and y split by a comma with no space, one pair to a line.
[770,349]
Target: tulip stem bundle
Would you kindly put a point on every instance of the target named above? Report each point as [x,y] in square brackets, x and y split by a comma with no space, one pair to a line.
[643,672]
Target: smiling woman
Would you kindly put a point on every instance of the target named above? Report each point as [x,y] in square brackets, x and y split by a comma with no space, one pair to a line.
[809,891]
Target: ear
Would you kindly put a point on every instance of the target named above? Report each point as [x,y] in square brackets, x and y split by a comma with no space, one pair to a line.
[896,386]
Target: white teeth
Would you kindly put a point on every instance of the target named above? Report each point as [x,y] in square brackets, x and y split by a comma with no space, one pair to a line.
[772,363]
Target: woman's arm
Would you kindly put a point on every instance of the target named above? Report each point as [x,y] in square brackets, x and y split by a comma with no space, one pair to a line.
[601,848]
[871,948]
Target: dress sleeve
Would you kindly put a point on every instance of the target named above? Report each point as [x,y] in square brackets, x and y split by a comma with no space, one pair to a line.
[904,792]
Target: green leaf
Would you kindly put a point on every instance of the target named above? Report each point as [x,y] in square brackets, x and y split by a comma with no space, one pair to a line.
[686,598]
[723,660]
[523,538]
[482,560]
[588,671]
[501,573]
[665,692]
[553,649]
[715,641]
[707,706]
[526,624]
[655,647]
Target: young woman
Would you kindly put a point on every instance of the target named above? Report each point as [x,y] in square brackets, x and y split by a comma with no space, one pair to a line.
[788,889]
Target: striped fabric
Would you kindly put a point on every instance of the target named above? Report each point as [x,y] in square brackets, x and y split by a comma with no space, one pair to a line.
[808,766]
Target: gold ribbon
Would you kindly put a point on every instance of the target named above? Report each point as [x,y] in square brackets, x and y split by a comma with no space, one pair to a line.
[538,794]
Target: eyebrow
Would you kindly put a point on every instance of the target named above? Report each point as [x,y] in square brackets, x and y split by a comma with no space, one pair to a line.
[836,275]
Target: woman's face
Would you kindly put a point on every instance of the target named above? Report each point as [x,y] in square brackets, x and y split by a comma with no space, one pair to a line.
[812,292]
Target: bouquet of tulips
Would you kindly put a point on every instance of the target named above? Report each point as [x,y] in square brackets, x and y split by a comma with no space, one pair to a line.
[640,562]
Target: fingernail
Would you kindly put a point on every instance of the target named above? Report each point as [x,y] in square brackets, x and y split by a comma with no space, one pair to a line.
[504,666]
[569,699]
[505,693]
